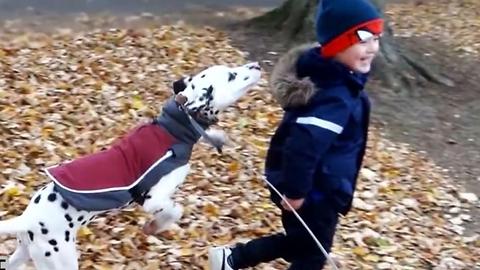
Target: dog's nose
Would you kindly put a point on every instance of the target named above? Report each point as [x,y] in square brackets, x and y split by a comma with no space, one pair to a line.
[254,65]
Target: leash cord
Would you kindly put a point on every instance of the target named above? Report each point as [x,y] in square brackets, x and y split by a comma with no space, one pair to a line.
[325,253]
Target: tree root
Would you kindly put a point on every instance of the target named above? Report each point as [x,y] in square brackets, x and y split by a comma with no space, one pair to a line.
[398,69]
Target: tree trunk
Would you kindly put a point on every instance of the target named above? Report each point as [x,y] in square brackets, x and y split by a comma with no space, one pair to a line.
[397,67]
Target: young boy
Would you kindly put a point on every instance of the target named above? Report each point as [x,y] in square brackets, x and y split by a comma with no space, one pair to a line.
[317,151]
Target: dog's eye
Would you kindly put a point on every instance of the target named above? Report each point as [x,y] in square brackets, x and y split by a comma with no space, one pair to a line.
[203,76]
[231,76]
[246,78]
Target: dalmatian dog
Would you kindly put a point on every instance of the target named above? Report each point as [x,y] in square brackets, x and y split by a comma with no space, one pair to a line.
[145,166]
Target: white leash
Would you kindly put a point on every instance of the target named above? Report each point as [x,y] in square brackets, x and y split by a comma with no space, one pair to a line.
[325,253]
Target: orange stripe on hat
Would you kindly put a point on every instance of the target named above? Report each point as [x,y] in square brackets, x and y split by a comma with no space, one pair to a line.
[350,37]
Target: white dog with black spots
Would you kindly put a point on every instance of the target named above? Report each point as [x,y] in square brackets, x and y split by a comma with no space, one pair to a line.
[47,228]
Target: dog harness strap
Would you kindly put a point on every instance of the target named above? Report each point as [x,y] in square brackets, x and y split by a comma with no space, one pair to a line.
[202,132]
[137,195]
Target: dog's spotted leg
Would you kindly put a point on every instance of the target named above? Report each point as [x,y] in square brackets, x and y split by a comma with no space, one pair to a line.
[54,251]
[159,203]
[19,257]
[169,213]
[52,227]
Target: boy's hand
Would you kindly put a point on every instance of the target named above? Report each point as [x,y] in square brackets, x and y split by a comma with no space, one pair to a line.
[295,203]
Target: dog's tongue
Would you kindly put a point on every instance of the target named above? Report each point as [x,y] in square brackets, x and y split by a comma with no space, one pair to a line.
[181,100]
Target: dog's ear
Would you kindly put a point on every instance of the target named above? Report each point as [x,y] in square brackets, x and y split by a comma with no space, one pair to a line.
[179,86]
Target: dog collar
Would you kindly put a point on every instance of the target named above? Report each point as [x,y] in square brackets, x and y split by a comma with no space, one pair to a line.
[214,142]
[181,100]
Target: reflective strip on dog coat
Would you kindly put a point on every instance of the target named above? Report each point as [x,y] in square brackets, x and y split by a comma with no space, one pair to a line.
[105,180]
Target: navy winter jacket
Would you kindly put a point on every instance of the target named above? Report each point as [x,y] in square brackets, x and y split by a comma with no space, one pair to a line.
[318,148]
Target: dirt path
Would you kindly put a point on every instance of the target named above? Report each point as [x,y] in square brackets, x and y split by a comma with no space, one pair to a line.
[23,8]
[444,122]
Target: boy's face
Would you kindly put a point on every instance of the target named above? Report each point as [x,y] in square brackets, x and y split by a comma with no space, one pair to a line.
[359,57]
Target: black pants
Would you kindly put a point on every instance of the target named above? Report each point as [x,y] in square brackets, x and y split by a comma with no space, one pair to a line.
[295,245]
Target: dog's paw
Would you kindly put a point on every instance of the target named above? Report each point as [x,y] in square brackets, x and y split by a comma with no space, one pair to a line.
[150,227]
[218,136]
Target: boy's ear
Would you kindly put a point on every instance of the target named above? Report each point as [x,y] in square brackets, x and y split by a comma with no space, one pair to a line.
[179,85]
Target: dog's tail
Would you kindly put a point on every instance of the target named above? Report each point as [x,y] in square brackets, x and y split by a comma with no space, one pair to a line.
[14,225]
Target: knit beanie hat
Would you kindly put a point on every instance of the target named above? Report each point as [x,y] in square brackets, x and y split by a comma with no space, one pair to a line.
[343,23]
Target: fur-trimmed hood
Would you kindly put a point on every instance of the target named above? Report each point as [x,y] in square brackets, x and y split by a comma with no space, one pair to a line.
[302,72]
[287,88]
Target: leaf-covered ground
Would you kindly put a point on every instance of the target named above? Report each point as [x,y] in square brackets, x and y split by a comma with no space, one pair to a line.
[72,93]
[455,23]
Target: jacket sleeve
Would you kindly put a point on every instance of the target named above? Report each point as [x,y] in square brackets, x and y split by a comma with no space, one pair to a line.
[311,135]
